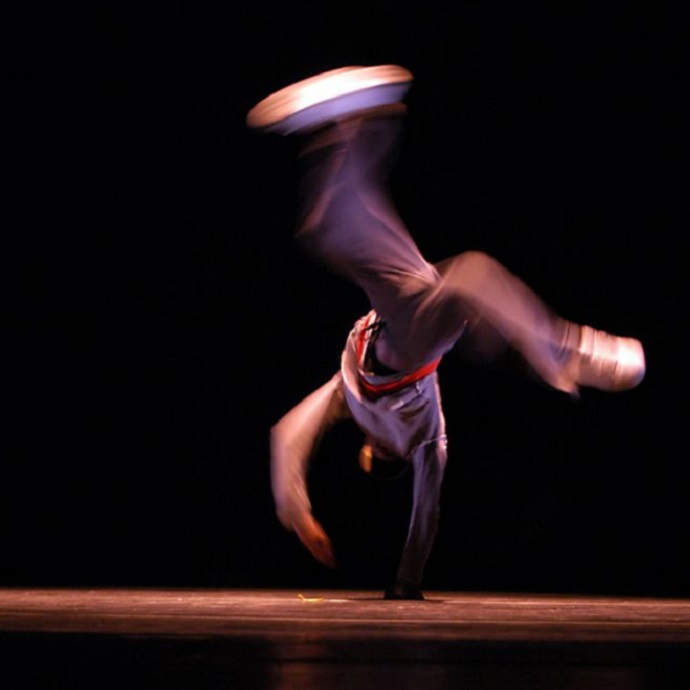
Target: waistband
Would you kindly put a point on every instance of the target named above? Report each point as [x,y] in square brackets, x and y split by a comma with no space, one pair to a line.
[372,391]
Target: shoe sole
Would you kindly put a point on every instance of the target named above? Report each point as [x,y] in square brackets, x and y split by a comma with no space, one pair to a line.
[328,96]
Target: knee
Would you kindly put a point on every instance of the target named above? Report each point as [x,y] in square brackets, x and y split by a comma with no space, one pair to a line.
[477,260]
[423,281]
[470,266]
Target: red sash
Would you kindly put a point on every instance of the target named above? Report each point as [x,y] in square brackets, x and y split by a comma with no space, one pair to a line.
[374,391]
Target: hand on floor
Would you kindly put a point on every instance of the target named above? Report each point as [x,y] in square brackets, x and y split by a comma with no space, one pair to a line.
[404,590]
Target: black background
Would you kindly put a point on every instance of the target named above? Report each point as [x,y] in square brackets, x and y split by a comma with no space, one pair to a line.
[160,319]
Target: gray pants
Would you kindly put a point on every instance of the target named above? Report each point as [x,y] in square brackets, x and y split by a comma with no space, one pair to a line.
[349,223]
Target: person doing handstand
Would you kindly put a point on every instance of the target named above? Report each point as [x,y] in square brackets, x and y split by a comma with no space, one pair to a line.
[349,121]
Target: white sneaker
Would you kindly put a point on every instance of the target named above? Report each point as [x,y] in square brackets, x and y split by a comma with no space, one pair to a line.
[607,362]
[329,96]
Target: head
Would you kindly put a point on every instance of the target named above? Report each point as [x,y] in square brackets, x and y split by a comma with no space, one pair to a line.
[380,464]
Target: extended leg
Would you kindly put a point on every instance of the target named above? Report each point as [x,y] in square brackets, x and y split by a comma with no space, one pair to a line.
[352,119]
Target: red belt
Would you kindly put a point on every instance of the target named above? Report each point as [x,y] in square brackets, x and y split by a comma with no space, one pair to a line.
[373,391]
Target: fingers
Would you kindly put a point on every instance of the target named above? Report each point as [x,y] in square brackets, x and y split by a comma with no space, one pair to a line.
[313,536]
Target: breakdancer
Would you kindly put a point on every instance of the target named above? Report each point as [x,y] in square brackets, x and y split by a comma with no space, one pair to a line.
[349,120]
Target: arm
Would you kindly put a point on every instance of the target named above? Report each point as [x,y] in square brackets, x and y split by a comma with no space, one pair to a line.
[429,464]
[293,442]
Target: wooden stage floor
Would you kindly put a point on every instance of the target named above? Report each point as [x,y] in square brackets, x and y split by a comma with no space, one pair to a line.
[272,639]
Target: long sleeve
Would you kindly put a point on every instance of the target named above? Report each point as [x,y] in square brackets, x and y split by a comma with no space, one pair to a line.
[294,439]
[429,464]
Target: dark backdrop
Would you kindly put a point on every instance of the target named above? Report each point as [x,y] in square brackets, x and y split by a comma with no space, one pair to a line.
[160,318]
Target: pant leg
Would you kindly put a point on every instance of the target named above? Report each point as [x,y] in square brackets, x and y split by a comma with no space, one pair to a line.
[479,288]
[349,223]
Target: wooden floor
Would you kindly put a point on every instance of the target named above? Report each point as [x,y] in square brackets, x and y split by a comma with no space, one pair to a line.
[332,640]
